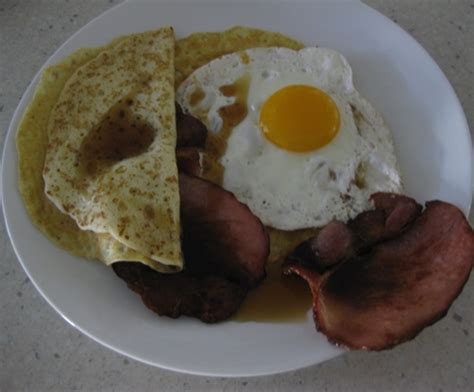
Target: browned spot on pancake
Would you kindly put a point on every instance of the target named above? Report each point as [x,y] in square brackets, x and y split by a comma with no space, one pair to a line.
[196,96]
[119,136]
[123,223]
[149,212]
[232,115]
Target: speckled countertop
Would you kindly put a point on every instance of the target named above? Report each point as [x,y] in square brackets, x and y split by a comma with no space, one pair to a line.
[39,351]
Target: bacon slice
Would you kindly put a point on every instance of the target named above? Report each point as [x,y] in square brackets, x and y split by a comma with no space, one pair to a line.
[209,298]
[386,294]
[221,231]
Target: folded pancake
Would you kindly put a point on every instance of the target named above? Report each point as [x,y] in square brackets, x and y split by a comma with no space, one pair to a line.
[32,136]
[102,125]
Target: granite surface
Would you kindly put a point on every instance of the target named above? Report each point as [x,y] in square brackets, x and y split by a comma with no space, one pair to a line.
[39,351]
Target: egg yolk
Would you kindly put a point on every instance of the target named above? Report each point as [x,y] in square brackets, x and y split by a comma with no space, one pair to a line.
[299,118]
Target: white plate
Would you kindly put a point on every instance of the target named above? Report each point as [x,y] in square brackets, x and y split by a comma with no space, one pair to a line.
[390,69]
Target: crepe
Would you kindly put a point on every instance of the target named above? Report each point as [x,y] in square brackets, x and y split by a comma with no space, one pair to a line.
[120,187]
[32,140]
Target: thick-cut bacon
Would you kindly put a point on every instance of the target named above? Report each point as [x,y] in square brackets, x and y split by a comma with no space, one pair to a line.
[386,294]
[209,298]
[220,233]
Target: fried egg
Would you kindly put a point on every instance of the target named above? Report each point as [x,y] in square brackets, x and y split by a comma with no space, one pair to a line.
[290,136]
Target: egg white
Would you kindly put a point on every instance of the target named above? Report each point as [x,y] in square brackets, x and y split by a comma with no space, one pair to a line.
[289,190]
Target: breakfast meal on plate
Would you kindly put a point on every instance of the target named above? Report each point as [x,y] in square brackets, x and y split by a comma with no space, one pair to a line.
[209,169]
